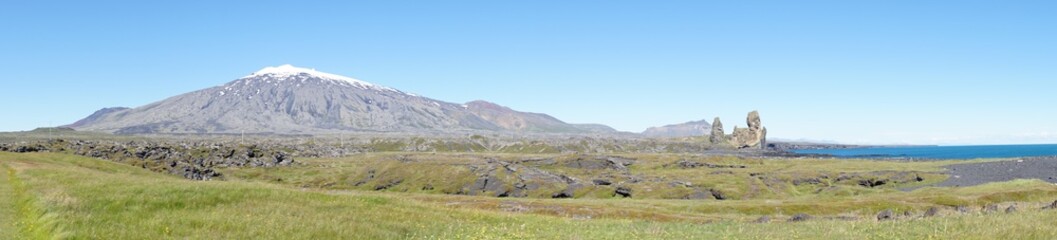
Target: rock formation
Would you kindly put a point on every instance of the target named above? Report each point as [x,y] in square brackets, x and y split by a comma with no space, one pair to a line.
[755,136]
[717,132]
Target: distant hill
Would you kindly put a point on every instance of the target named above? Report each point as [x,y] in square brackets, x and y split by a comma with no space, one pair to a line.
[292,100]
[687,129]
[510,119]
[95,116]
[52,130]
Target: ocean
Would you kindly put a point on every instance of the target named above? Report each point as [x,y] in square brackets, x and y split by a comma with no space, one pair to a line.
[942,152]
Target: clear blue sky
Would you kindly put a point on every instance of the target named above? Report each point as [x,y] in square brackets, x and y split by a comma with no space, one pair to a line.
[947,72]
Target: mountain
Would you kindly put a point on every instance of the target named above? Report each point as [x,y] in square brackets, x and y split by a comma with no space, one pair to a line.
[95,116]
[510,119]
[687,129]
[292,100]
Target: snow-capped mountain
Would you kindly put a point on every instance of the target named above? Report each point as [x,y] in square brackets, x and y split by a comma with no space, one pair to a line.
[292,100]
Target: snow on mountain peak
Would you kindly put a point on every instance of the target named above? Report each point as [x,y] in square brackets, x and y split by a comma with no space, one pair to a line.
[288,70]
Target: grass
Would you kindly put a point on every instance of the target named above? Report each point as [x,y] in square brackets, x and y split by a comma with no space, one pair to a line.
[9,215]
[83,198]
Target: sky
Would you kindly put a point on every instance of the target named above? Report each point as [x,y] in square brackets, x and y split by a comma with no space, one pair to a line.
[861,72]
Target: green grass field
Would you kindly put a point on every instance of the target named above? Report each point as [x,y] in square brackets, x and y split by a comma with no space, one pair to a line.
[57,196]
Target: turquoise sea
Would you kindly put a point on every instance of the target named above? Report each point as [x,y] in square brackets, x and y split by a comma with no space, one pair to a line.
[942,152]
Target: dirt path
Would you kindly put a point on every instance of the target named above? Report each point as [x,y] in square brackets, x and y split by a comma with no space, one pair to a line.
[971,174]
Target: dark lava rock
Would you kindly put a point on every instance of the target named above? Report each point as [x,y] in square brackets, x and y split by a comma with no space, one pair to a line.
[971,174]
[764,219]
[887,214]
[717,194]
[1051,206]
[200,174]
[388,184]
[192,160]
[600,163]
[490,183]
[521,189]
[802,181]
[26,149]
[990,208]
[368,177]
[691,164]
[800,217]
[872,182]
[602,182]
[623,191]
[1011,209]
[932,212]
[847,218]
[569,191]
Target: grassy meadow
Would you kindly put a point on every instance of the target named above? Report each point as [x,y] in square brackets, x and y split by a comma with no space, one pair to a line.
[58,196]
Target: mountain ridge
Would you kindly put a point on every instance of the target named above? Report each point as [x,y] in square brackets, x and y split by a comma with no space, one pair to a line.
[687,129]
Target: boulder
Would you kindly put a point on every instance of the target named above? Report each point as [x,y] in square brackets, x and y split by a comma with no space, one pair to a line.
[887,214]
[764,219]
[718,195]
[1011,209]
[623,191]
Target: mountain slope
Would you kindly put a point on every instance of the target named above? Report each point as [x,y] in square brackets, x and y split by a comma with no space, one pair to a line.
[95,116]
[510,119]
[687,129]
[291,100]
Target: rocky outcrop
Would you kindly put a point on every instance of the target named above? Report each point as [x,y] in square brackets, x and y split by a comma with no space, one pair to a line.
[755,136]
[717,136]
[191,160]
[598,163]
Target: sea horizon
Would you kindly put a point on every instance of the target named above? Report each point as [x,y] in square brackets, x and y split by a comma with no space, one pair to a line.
[941,152]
